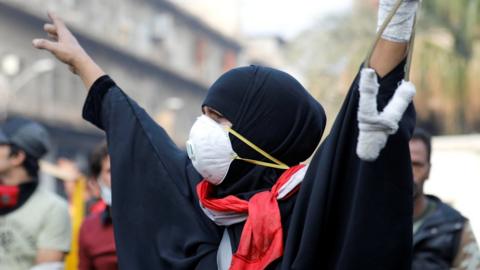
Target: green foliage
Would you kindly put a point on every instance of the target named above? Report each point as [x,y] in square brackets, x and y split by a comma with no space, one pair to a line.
[330,53]
[460,17]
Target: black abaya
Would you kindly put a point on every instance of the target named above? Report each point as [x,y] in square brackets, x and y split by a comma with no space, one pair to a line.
[349,214]
[157,220]
[352,214]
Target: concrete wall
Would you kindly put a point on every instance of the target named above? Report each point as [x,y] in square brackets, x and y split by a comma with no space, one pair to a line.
[455,174]
[119,36]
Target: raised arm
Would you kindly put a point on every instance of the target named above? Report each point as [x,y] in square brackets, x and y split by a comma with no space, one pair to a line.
[349,213]
[387,55]
[154,206]
[392,47]
[65,47]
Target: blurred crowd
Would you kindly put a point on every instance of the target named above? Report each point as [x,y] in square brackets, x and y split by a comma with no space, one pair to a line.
[41,229]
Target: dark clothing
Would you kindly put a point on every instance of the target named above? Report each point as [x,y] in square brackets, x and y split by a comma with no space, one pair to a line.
[25,192]
[96,243]
[349,214]
[437,240]
[158,221]
[255,99]
[353,214]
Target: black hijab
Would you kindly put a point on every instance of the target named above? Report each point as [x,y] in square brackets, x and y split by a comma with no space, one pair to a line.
[275,112]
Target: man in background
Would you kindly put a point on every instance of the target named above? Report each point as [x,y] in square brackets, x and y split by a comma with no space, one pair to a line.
[35,228]
[96,241]
[442,237]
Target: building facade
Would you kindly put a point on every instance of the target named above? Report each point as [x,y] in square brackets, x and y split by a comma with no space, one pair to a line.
[162,56]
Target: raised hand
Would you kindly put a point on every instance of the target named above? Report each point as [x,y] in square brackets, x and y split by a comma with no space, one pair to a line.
[65,47]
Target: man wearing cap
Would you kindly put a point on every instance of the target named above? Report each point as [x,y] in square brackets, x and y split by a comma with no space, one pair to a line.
[34,223]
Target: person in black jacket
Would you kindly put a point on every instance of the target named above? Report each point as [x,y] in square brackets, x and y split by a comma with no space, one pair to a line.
[443,238]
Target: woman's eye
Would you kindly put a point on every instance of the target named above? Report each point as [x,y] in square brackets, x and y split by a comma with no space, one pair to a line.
[217,118]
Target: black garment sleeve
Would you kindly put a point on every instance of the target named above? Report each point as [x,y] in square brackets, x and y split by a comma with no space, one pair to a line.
[93,104]
[353,214]
[157,220]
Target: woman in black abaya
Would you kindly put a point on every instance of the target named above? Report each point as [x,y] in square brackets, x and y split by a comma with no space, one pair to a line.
[173,210]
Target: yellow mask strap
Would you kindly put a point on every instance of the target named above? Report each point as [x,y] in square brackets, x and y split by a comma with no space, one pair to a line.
[262,163]
[278,164]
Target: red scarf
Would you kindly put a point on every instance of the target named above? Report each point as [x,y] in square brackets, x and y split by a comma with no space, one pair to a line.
[9,196]
[261,241]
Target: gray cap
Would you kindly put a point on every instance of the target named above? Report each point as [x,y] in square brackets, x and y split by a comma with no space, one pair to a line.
[26,134]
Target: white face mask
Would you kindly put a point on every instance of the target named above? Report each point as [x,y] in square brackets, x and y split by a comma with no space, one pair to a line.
[105,192]
[210,150]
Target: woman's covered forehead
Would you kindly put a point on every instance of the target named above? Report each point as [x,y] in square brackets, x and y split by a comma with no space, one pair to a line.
[245,88]
[228,90]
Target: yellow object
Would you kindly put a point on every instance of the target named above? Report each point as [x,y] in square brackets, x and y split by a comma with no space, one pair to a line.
[77,212]
[278,164]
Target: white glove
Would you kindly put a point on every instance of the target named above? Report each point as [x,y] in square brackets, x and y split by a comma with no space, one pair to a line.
[400,28]
[375,127]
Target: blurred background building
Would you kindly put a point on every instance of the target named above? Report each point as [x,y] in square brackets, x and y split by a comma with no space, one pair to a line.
[161,55]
